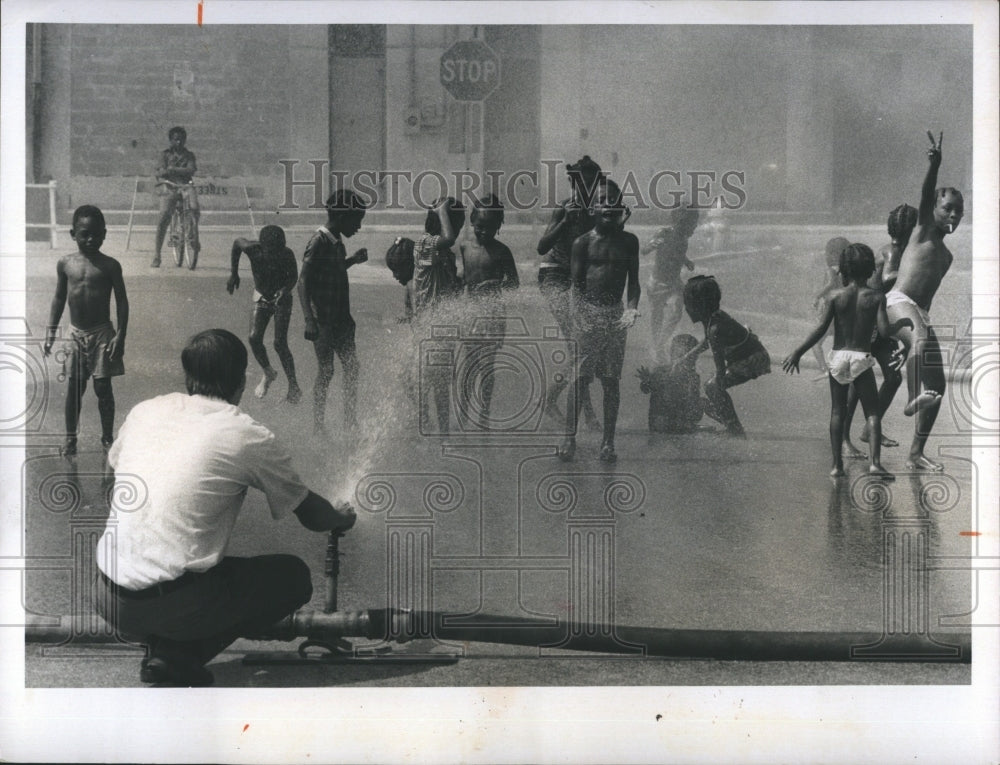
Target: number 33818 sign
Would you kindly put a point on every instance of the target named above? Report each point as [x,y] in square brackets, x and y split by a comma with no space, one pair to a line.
[470,70]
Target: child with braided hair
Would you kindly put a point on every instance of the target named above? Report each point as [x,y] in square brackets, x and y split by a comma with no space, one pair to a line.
[739,355]
[922,267]
[901,223]
[855,312]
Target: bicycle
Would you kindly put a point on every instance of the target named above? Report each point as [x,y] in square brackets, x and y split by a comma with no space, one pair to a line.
[183,233]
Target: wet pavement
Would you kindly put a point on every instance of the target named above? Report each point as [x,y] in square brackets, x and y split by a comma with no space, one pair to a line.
[696,531]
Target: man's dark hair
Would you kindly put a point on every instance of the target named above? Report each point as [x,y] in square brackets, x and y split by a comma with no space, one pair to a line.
[177,130]
[215,364]
[272,236]
[857,263]
[88,211]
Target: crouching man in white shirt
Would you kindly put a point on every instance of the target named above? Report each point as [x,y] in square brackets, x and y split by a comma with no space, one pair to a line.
[187,460]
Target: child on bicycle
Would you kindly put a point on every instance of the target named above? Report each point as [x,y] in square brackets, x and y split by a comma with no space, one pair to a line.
[173,180]
[275,274]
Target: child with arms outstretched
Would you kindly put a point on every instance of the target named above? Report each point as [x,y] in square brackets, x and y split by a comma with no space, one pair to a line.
[855,311]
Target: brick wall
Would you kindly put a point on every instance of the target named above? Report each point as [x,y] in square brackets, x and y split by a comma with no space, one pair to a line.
[227,85]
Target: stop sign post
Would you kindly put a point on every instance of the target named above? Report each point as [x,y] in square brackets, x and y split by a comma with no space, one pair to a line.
[470,70]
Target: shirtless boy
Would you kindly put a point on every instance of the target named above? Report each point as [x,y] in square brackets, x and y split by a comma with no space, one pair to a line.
[488,268]
[274,276]
[856,311]
[924,263]
[604,265]
[571,219]
[831,283]
[900,225]
[86,280]
[666,288]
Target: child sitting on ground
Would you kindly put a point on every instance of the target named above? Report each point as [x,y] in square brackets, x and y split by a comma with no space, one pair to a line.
[738,353]
[855,311]
[675,403]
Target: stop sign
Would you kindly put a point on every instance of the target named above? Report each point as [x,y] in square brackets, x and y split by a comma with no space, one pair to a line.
[470,70]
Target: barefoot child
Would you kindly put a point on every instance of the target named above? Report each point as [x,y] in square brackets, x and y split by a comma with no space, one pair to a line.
[86,280]
[435,279]
[274,276]
[831,284]
[856,310]
[666,288]
[900,224]
[488,269]
[921,269]
[571,219]
[675,403]
[739,355]
[604,265]
[326,302]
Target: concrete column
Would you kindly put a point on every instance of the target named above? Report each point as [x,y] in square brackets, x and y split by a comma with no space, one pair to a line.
[809,130]
[308,94]
[53,149]
[561,66]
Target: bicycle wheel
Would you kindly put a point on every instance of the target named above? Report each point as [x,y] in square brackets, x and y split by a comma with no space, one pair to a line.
[177,235]
[191,240]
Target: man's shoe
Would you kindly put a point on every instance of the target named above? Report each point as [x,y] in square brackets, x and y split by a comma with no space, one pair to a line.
[157,669]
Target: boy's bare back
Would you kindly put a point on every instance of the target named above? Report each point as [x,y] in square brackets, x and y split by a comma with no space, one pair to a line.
[88,283]
[855,316]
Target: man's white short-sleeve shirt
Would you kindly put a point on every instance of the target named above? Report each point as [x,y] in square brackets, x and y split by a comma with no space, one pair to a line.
[183,465]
